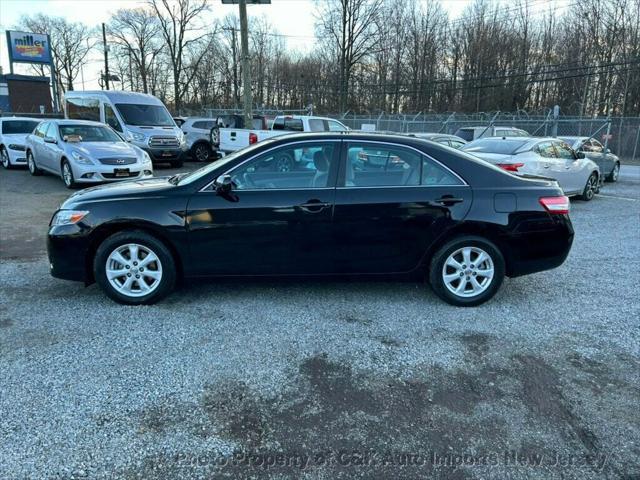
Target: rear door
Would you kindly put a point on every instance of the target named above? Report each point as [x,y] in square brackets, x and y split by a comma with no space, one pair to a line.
[570,171]
[272,222]
[387,213]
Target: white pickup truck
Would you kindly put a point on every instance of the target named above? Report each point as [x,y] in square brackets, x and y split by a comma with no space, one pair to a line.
[229,140]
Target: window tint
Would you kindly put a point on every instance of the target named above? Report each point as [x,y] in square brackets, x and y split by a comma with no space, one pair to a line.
[465,134]
[336,126]
[203,124]
[111,119]
[304,166]
[145,115]
[376,165]
[563,150]
[41,129]
[18,126]
[83,109]
[287,123]
[316,125]
[435,174]
[546,150]
[52,131]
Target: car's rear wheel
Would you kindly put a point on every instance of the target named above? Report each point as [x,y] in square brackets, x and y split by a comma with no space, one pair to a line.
[4,156]
[201,152]
[134,268]
[31,165]
[67,175]
[467,271]
[615,173]
[590,188]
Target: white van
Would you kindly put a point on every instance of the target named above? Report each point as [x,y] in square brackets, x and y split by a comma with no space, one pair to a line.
[141,119]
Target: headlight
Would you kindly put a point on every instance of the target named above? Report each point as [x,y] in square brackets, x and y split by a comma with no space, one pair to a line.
[81,158]
[181,138]
[68,217]
[19,148]
[145,157]
[134,136]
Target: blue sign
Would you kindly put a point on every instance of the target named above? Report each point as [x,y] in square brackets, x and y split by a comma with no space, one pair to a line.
[28,47]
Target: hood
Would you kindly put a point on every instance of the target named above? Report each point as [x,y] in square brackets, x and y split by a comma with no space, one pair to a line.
[149,131]
[492,157]
[104,149]
[118,191]
[17,138]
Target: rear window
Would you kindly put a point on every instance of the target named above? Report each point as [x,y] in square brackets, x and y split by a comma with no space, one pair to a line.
[465,134]
[492,145]
[18,126]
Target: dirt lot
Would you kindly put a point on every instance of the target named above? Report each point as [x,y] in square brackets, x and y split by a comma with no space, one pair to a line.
[323,379]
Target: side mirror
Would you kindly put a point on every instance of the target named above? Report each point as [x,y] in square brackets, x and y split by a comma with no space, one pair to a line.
[579,155]
[224,184]
[607,151]
[50,140]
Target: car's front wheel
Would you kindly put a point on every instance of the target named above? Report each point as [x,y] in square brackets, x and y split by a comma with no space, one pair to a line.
[31,164]
[590,188]
[134,268]
[467,271]
[67,175]
[4,156]
[201,152]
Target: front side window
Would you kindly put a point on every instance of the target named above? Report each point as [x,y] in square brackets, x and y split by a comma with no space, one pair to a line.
[111,119]
[564,151]
[18,126]
[52,131]
[145,115]
[546,150]
[457,144]
[596,146]
[83,109]
[41,129]
[376,165]
[298,166]
[88,133]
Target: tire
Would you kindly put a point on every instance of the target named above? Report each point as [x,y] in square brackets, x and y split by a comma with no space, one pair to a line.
[4,158]
[126,288]
[283,163]
[176,163]
[446,280]
[201,152]
[590,188]
[67,175]
[615,173]
[31,164]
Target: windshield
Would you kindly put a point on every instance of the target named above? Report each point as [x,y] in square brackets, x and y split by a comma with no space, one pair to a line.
[201,172]
[18,126]
[492,145]
[89,133]
[145,115]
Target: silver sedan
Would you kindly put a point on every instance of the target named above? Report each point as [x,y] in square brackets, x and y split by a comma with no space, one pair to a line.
[83,152]
[547,157]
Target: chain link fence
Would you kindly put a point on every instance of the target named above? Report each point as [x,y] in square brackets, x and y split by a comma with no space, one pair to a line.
[620,134]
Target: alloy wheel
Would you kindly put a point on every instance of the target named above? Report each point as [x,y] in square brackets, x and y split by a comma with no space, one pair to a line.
[134,270]
[616,172]
[67,175]
[591,187]
[468,272]
[5,158]
[31,163]
[201,153]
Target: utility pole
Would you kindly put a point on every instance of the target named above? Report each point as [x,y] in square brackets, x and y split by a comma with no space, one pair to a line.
[106,57]
[246,65]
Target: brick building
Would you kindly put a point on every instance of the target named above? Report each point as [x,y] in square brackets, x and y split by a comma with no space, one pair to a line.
[25,94]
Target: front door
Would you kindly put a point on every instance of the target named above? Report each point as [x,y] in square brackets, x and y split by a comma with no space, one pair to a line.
[272,221]
[392,203]
[569,169]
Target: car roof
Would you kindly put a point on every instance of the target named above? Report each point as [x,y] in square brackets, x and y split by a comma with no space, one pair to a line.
[117,96]
[67,121]
[8,119]
[574,138]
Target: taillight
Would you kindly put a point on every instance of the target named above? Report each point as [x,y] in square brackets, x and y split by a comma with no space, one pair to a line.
[253,138]
[510,167]
[558,205]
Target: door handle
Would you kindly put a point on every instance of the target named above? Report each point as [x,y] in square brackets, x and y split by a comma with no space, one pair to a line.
[447,201]
[314,206]
[546,165]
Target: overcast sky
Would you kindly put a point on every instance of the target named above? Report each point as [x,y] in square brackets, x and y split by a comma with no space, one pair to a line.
[294,18]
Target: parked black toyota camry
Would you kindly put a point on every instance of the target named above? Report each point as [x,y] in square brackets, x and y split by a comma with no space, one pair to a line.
[353,204]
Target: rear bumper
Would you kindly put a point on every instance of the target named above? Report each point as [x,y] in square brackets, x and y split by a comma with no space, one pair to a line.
[536,246]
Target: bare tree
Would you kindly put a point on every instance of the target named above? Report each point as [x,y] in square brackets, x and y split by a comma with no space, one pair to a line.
[180,31]
[350,30]
[137,31]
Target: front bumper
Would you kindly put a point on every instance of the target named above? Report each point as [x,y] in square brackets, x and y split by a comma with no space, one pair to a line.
[17,157]
[165,154]
[67,248]
[102,174]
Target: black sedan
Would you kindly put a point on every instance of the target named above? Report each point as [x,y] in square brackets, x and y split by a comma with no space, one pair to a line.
[435,212]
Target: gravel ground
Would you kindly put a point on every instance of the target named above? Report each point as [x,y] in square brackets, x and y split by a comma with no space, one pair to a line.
[323,379]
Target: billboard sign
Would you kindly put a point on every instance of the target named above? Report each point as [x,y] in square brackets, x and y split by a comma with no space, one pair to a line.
[28,47]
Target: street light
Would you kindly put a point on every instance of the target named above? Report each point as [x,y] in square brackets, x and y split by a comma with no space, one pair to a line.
[246,64]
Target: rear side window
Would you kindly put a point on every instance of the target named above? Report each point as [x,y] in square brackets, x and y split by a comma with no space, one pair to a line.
[435,174]
[378,165]
[203,125]
[316,125]
[18,126]
[336,126]
[83,109]
[284,123]
[563,150]
[465,134]
[546,150]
